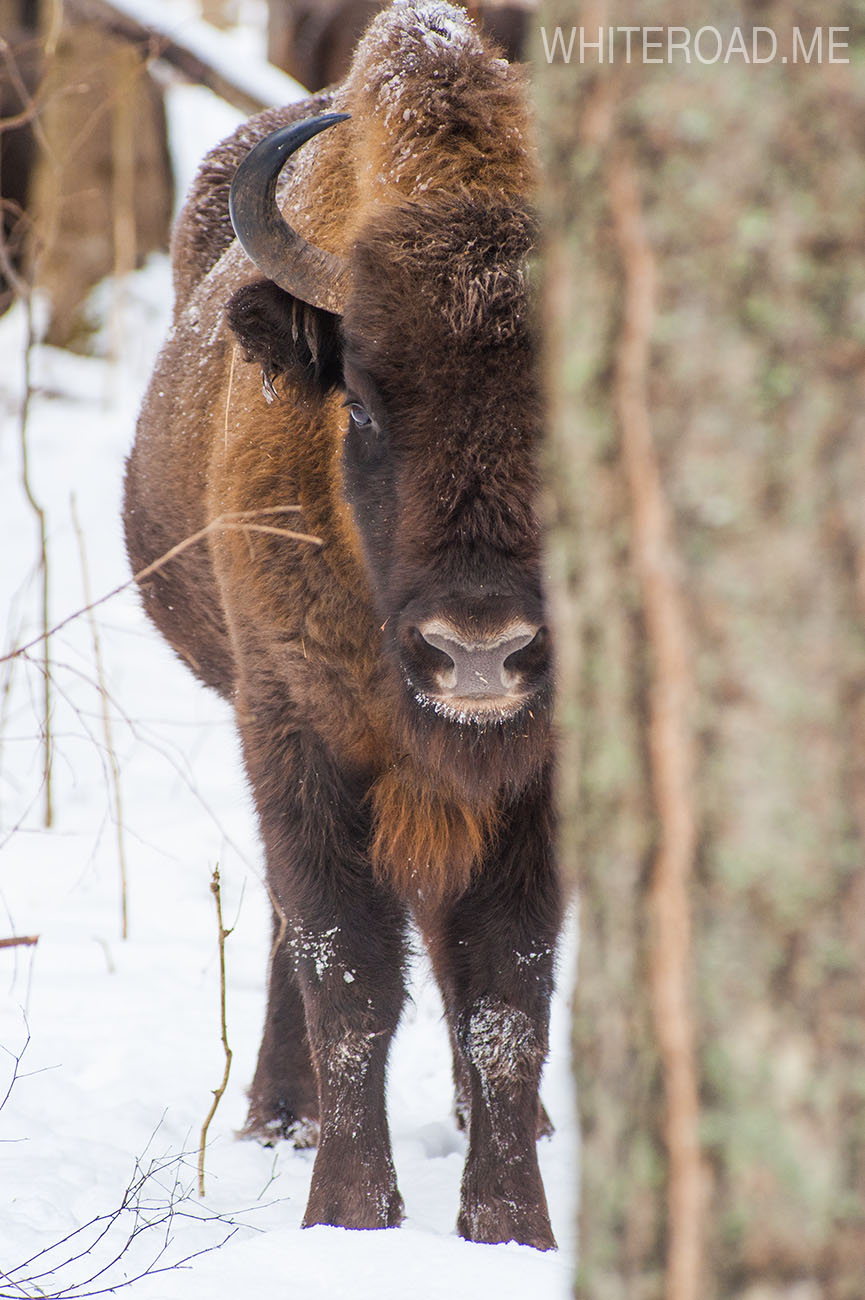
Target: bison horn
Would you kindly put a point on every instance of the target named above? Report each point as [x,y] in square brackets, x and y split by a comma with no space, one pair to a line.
[309,273]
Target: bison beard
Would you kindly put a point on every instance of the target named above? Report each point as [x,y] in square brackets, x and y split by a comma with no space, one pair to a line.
[391,683]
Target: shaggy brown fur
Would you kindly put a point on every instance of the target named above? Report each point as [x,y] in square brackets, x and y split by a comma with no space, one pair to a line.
[425,843]
[375,796]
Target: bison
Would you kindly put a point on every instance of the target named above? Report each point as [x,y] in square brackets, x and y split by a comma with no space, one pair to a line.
[342,457]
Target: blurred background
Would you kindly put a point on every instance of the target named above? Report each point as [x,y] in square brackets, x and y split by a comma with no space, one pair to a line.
[704,327]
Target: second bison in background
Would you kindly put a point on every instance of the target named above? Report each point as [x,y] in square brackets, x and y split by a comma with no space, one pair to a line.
[367,592]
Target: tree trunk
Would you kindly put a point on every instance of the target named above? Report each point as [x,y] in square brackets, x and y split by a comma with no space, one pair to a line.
[20,73]
[102,192]
[705,322]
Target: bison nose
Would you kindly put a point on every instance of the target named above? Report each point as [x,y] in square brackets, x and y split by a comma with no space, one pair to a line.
[481,667]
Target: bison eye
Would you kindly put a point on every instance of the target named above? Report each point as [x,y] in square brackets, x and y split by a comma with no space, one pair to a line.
[359,415]
[365,442]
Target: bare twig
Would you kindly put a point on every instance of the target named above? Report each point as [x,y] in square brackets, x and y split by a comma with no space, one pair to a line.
[22,288]
[17,1058]
[220,1091]
[160,40]
[670,743]
[126,69]
[228,396]
[16,281]
[31,109]
[153,741]
[273,1176]
[106,728]
[146,1209]
[20,941]
[232,521]
[42,529]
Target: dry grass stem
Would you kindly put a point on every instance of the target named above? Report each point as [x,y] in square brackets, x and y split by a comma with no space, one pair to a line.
[23,290]
[220,1091]
[228,396]
[44,583]
[106,728]
[127,68]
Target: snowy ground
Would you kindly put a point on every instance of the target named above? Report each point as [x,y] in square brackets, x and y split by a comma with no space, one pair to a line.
[124,1046]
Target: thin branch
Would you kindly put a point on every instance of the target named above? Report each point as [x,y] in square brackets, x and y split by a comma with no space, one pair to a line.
[17,1058]
[228,396]
[16,281]
[114,766]
[219,1092]
[42,530]
[143,736]
[125,70]
[206,58]
[142,1215]
[30,111]
[670,743]
[227,522]
[23,290]
[20,941]
[17,119]
[267,528]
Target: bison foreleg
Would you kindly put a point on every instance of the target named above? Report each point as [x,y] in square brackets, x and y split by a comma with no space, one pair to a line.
[493,954]
[353,1182]
[346,937]
[353,990]
[502,1197]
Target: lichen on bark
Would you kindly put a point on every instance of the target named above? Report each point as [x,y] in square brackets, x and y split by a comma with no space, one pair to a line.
[751,187]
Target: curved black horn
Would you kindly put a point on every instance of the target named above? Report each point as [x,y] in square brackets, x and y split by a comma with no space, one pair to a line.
[309,273]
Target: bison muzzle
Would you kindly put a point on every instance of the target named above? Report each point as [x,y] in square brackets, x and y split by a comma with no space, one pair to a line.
[354,440]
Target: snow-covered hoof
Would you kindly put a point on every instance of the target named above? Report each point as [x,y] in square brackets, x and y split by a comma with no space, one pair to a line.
[364,1207]
[301,1131]
[498,1221]
[503,1200]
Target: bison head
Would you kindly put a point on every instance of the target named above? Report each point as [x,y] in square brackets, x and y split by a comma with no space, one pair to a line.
[426,328]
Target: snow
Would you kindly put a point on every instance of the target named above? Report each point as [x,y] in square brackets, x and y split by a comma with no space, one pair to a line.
[233,54]
[193,114]
[124,1045]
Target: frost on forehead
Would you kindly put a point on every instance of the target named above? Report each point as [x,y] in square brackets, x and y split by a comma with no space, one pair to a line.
[414,40]
[423,72]
[434,22]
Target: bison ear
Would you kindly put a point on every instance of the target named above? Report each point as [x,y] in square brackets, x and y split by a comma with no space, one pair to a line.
[289,339]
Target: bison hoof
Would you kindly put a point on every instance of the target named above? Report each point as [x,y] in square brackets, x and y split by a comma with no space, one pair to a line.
[302,1132]
[546,1127]
[364,1207]
[507,1221]
[366,1217]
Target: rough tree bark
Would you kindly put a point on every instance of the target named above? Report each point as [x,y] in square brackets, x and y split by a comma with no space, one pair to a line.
[705,318]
